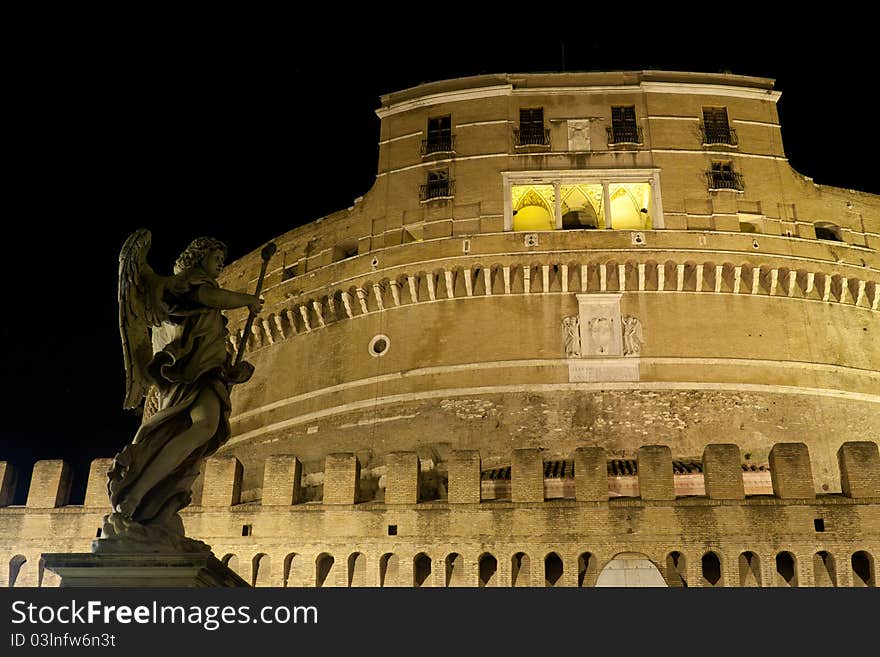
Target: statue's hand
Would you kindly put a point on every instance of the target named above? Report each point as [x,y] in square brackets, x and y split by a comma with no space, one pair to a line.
[239,373]
[256,306]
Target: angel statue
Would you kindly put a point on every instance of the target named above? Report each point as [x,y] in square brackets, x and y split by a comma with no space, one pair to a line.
[174,342]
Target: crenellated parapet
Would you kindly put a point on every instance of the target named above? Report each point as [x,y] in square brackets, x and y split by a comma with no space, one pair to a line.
[538,533]
[594,477]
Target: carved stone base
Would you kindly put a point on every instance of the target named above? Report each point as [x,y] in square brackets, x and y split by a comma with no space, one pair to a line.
[141,570]
[121,535]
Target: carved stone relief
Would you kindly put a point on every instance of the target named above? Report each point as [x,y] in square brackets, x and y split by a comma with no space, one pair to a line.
[571,336]
[598,338]
[600,325]
[632,336]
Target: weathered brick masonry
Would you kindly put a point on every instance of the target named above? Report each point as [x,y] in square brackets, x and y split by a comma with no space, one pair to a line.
[345,541]
[581,321]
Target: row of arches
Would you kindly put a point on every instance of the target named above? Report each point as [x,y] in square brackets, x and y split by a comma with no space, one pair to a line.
[561,277]
[550,570]
[522,570]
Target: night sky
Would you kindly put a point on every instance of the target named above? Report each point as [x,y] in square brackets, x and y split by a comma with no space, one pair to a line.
[243,136]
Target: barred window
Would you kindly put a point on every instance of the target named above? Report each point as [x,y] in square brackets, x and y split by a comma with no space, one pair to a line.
[722,176]
[439,136]
[624,129]
[716,127]
[531,131]
[438,185]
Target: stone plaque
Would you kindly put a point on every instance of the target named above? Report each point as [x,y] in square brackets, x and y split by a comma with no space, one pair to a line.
[592,370]
[600,325]
[578,134]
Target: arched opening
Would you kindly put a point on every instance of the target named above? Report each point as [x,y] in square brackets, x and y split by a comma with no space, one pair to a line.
[629,206]
[711,567]
[828,231]
[676,571]
[421,570]
[231,562]
[586,570]
[863,569]
[323,568]
[16,564]
[552,569]
[533,207]
[786,569]
[292,576]
[824,570]
[749,570]
[520,570]
[47,579]
[632,570]
[582,206]
[455,575]
[488,567]
[262,570]
[357,569]
[389,568]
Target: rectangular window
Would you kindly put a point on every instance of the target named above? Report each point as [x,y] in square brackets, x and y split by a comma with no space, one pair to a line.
[438,186]
[716,128]
[722,176]
[439,136]
[531,131]
[577,203]
[624,129]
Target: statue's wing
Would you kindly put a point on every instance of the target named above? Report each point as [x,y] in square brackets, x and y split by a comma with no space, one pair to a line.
[140,306]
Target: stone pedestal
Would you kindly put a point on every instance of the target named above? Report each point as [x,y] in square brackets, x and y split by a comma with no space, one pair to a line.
[141,570]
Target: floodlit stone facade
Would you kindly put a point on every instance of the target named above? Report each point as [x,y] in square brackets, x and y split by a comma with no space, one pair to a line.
[591,328]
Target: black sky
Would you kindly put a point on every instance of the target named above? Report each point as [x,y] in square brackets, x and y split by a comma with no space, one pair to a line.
[246,132]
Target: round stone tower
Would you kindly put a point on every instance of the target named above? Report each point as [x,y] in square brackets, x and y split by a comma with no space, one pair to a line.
[560,260]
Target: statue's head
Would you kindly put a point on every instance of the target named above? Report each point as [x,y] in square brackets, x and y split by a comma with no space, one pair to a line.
[194,255]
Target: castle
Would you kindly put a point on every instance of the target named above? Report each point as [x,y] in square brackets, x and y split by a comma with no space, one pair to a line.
[585,329]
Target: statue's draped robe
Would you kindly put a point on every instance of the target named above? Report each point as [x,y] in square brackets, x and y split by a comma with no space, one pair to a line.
[190,357]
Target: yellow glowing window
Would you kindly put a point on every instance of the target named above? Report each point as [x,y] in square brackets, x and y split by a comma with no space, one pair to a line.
[582,206]
[630,206]
[534,207]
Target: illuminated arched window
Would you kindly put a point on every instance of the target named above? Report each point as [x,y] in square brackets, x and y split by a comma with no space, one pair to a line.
[582,200]
[533,207]
[629,206]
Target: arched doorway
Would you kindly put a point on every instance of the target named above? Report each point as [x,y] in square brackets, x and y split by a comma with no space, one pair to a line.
[630,569]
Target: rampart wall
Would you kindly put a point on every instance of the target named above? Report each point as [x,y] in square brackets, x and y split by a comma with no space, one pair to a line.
[535,532]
